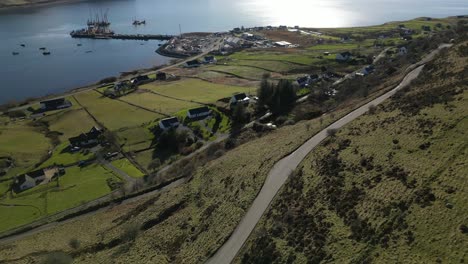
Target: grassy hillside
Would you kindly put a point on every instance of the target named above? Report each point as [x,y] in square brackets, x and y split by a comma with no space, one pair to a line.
[391,187]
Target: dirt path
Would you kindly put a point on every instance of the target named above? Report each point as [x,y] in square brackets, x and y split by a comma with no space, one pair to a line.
[282,169]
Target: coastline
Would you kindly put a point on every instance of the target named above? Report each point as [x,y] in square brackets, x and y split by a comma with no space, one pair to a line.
[44,3]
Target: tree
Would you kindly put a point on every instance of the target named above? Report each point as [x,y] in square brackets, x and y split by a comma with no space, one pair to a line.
[264,93]
[239,115]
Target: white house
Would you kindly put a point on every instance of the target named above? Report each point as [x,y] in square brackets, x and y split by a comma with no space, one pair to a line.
[199,112]
[28,180]
[402,51]
[169,123]
[343,56]
[283,44]
[240,98]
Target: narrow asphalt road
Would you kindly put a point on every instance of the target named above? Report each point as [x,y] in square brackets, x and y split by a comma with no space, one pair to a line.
[283,168]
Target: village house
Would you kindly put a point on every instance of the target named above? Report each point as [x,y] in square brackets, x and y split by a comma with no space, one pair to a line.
[168,123]
[55,104]
[86,139]
[303,81]
[34,178]
[192,64]
[140,79]
[282,44]
[210,59]
[161,76]
[199,112]
[240,98]
[343,56]
[402,51]
[233,42]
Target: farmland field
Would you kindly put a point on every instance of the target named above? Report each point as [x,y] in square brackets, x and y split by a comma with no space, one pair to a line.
[25,144]
[197,90]
[126,166]
[114,114]
[77,186]
[158,103]
[66,123]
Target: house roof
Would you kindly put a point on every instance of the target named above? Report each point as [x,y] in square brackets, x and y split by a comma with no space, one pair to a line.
[193,62]
[346,54]
[94,133]
[168,122]
[240,96]
[199,110]
[55,102]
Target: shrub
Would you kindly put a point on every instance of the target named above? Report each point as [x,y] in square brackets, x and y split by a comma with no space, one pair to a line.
[74,243]
[372,109]
[230,143]
[130,232]
[331,132]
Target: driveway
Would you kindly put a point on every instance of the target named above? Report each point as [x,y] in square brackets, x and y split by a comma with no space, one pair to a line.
[283,168]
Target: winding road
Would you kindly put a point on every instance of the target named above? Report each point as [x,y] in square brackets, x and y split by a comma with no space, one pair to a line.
[283,168]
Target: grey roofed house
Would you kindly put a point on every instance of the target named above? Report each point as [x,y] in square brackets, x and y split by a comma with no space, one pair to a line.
[210,59]
[168,123]
[86,139]
[28,180]
[240,98]
[55,104]
[343,56]
[161,76]
[192,63]
[198,112]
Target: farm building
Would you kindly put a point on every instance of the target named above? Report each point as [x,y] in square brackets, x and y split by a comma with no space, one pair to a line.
[199,112]
[32,179]
[240,98]
[55,104]
[169,123]
[86,139]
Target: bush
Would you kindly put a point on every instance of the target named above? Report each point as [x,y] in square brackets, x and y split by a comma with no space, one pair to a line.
[130,232]
[58,258]
[15,114]
[74,243]
[230,143]
[331,132]
[372,109]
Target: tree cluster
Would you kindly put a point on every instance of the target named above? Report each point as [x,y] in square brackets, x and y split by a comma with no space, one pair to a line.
[279,98]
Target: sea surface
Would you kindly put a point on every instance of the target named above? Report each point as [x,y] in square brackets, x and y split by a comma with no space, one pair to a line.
[31,74]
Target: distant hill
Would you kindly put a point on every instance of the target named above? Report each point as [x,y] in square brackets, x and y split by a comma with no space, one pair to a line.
[18,3]
[391,187]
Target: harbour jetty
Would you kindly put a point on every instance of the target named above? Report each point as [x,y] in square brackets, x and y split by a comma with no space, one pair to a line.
[91,35]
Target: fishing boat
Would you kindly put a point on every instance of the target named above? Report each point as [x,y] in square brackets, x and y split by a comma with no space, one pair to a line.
[46,53]
[79,44]
[23,45]
[43,48]
[15,53]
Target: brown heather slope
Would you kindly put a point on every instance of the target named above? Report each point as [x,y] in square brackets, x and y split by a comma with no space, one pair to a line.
[391,187]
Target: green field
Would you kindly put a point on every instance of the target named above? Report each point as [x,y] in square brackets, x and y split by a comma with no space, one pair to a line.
[77,186]
[113,113]
[269,66]
[196,90]
[25,144]
[126,166]
[135,138]
[245,72]
[70,122]
[64,158]
[158,103]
